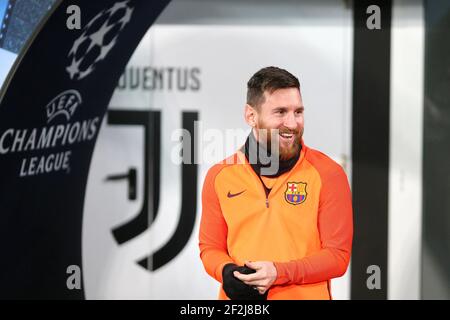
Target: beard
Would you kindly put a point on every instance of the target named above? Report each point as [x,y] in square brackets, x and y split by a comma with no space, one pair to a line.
[268,136]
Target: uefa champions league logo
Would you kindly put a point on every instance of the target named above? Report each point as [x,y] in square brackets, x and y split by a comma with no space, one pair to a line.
[98,38]
[64,105]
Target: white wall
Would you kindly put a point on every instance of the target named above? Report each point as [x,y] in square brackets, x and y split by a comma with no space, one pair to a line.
[319,54]
[406,140]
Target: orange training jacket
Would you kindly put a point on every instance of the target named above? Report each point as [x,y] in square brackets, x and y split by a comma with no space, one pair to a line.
[304,225]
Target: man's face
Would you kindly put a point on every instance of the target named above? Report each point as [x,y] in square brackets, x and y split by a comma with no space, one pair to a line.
[282,110]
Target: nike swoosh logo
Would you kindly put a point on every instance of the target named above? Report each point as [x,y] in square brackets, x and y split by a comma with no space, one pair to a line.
[230,195]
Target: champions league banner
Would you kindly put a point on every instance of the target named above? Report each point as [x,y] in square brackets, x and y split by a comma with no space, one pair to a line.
[51,109]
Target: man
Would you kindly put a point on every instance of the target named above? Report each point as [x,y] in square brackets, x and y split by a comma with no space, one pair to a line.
[277,215]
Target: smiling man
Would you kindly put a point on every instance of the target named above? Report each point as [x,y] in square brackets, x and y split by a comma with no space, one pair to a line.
[277,216]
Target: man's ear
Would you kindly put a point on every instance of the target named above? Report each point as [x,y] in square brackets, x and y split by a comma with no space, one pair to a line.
[250,115]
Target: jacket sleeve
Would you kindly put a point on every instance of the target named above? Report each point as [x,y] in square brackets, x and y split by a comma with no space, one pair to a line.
[213,229]
[335,224]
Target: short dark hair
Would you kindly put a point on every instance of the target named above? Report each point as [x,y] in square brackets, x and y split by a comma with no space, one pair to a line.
[268,79]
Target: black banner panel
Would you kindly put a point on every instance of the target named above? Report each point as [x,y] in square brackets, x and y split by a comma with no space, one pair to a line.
[51,110]
[436,152]
[370,151]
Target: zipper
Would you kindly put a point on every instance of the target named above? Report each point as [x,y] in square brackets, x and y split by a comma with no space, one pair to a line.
[266,191]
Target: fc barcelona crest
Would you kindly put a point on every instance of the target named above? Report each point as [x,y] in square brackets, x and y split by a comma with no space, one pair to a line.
[295,192]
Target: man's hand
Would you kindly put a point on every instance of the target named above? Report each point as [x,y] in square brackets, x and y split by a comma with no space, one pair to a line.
[234,288]
[262,279]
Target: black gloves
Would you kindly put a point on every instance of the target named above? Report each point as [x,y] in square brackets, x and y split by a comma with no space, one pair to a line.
[235,289]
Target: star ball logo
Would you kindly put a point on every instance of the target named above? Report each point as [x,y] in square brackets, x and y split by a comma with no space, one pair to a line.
[98,38]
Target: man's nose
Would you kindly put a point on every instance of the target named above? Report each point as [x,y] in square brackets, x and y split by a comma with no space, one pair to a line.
[289,121]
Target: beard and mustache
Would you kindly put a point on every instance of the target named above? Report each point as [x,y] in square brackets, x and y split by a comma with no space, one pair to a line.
[270,138]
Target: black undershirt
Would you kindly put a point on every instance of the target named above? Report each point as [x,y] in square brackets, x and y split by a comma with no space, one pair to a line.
[251,146]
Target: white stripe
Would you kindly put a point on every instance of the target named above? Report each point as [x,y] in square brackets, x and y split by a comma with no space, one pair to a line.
[406,135]
[340,287]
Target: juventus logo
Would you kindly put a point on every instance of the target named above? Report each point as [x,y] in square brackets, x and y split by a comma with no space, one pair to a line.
[151,121]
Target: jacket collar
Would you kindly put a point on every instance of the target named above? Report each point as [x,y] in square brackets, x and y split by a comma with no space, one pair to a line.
[261,159]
